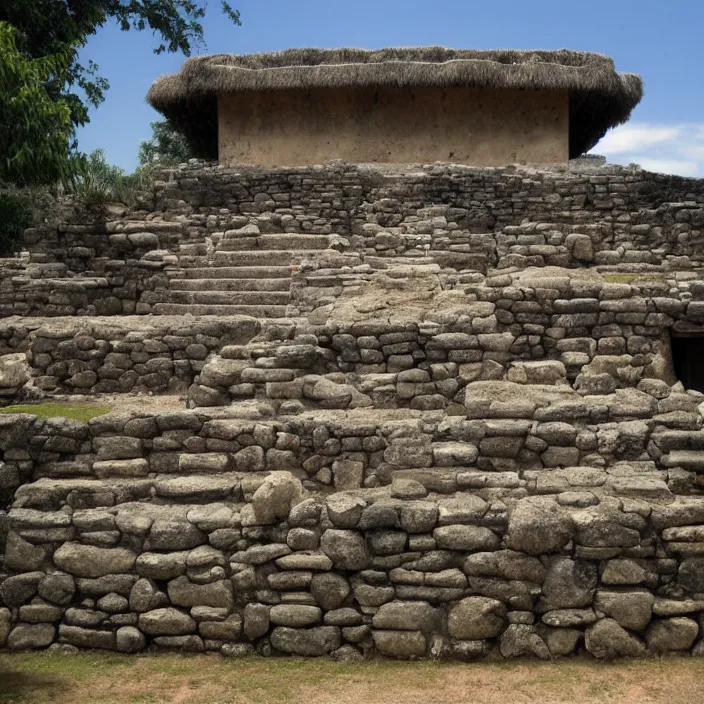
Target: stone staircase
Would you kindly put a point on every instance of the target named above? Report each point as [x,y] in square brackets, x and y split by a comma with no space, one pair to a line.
[244,273]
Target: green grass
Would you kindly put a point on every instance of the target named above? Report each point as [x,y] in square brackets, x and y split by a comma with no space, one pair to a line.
[108,678]
[75,411]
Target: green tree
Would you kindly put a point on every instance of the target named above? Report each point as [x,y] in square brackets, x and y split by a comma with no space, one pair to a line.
[166,144]
[61,27]
[46,92]
[34,141]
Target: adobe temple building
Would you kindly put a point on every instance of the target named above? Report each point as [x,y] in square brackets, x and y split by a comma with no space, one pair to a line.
[418,105]
[420,411]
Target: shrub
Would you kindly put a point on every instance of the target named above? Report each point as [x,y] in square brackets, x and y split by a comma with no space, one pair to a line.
[98,182]
[15,218]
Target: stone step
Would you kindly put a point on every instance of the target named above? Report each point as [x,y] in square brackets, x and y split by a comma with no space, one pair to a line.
[277,257]
[227,284]
[203,309]
[273,242]
[251,298]
[238,272]
[49,495]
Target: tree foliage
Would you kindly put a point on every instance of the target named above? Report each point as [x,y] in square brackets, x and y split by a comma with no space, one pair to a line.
[47,91]
[15,218]
[34,140]
[96,181]
[166,145]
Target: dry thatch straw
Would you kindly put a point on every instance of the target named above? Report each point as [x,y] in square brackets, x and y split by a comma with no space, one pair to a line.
[599,97]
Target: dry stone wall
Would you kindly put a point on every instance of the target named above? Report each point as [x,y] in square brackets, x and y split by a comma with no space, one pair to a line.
[120,261]
[247,560]
[424,412]
[535,523]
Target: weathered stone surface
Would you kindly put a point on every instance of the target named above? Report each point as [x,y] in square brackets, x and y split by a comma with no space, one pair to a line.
[129,639]
[275,498]
[506,564]
[161,566]
[90,561]
[87,637]
[256,620]
[27,636]
[145,596]
[347,549]
[400,644]
[476,618]
[406,616]
[20,588]
[312,642]
[631,609]
[227,629]
[668,634]
[568,584]
[569,618]
[467,538]
[691,575]
[295,615]
[560,641]
[538,526]
[22,556]
[329,590]
[5,625]
[166,622]
[174,535]
[183,592]
[519,640]
[607,640]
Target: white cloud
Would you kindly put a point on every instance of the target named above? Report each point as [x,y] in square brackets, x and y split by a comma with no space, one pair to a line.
[667,166]
[673,149]
[634,138]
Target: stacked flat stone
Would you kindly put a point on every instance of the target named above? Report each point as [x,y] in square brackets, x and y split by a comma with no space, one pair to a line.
[501,463]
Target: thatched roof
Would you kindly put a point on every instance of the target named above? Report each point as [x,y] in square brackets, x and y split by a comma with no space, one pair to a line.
[600,98]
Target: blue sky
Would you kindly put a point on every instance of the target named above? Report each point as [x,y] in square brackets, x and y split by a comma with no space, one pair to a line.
[660,40]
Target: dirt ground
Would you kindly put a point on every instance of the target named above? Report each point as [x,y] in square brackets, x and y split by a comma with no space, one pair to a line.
[175,679]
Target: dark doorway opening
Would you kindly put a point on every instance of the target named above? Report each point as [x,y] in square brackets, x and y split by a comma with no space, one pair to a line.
[688,361]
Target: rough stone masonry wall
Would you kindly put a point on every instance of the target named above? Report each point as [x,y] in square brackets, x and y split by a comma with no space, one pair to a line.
[590,333]
[196,531]
[117,261]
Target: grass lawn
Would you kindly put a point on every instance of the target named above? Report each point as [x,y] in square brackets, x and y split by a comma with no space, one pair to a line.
[93,678]
[76,411]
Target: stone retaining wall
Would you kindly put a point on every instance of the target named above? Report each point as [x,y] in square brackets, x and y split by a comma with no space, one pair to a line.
[249,562]
[120,261]
[538,325]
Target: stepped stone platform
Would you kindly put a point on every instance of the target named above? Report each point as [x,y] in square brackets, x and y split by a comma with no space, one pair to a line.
[424,412]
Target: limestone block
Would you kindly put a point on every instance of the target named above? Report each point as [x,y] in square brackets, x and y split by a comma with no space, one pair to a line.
[476,618]
[606,640]
[665,635]
[167,622]
[329,590]
[25,636]
[311,642]
[406,616]
[406,645]
[295,615]
[275,498]
[347,549]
